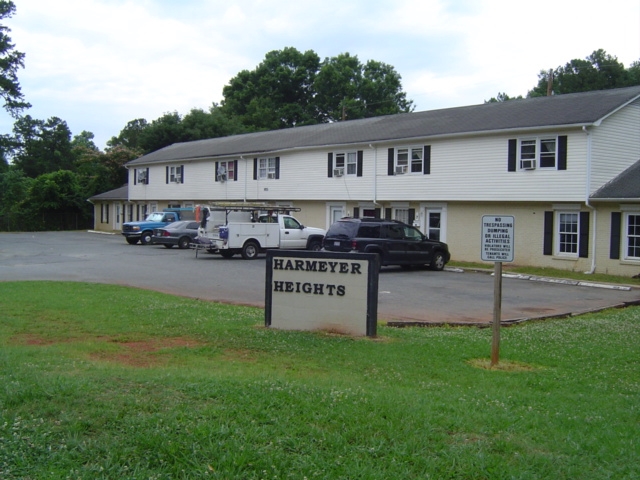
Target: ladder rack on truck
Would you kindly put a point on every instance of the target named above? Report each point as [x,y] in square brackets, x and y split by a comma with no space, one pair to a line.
[204,212]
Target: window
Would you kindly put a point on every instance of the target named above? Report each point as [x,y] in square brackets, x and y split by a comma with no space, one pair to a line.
[409,160]
[632,239]
[226,171]
[175,174]
[538,152]
[348,162]
[267,168]
[433,224]
[568,233]
[290,223]
[104,211]
[402,214]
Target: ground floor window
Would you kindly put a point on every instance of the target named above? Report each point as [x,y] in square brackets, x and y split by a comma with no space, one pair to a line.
[104,213]
[401,214]
[632,239]
[568,228]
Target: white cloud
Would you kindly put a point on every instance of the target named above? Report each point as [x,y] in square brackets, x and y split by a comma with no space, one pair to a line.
[99,63]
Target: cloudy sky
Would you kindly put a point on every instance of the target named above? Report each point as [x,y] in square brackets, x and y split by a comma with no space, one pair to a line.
[97,64]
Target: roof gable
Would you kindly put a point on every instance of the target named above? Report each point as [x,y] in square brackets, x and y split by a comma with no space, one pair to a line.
[624,186]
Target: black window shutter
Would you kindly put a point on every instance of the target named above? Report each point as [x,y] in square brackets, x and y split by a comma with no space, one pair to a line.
[412,215]
[215,177]
[146,179]
[360,160]
[426,165]
[511,160]
[377,212]
[387,213]
[616,229]
[390,161]
[356,212]
[135,176]
[330,165]
[255,168]
[562,152]
[277,168]
[583,237]
[167,175]
[235,170]
[181,173]
[547,248]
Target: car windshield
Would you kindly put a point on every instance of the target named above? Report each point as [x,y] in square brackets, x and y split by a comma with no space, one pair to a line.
[342,229]
[155,217]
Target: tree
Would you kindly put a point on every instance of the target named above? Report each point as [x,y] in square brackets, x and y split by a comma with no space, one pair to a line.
[41,146]
[502,97]
[277,94]
[599,71]
[10,61]
[199,125]
[161,132]
[56,201]
[290,88]
[129,136]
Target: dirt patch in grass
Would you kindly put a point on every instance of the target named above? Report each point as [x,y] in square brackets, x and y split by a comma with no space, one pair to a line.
[140,353]
[239,355]
[502,365]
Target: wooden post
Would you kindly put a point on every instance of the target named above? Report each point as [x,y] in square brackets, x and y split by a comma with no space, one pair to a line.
[497,312]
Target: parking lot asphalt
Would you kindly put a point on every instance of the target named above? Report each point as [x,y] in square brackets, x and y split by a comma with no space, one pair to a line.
[405,297]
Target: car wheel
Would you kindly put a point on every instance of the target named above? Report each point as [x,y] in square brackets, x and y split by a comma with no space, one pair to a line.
[184,242]
[166,245]
[226,253]
[131,241]
[145,238]
[250,250]
[315,246]
[437,262]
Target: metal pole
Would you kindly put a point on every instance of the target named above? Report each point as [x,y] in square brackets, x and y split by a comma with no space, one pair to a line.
[497,312]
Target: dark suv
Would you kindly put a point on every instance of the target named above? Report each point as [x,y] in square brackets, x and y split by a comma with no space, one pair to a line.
[397,243]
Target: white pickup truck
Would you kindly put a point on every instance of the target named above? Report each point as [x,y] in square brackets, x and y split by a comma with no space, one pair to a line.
[249,238]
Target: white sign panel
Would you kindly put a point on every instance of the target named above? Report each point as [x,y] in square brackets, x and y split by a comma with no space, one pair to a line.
[497,238]
[322,291]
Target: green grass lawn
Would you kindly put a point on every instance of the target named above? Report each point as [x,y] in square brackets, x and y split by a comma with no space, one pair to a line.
[110,382]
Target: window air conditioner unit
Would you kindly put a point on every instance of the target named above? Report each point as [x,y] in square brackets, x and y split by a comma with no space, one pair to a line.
[177,179]
[527,164]
[271,175]
[338,172]
[401,170]
[222,177]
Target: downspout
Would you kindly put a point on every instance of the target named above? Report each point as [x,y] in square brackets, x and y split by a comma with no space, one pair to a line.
[245,179]
[588,205]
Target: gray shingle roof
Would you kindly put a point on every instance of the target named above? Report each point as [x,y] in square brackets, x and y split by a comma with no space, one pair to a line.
[624,186]
[561,110]
[121,193]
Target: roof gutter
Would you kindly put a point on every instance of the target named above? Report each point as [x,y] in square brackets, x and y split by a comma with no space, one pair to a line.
[587,194]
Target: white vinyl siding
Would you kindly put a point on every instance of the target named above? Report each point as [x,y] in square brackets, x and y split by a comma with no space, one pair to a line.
[615,145]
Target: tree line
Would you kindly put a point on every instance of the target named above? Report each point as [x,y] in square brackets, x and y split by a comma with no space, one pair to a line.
[47,173]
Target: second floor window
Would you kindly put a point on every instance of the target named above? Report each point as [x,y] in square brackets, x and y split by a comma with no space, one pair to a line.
[409,160]
[539,152]
[348,162]
[266,168]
